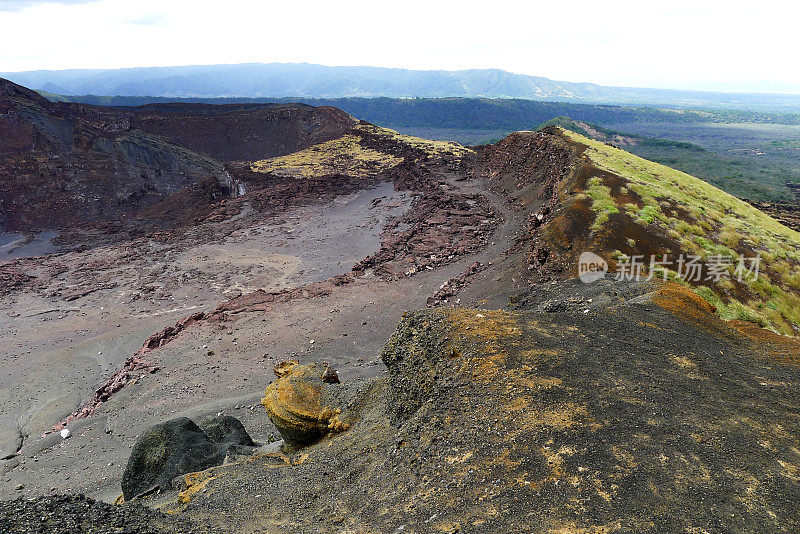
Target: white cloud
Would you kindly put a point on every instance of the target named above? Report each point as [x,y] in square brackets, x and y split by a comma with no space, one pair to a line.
[679,43]
[19,5]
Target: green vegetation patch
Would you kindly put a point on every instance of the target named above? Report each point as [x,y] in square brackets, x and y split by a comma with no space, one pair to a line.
[603,204]
[711,223]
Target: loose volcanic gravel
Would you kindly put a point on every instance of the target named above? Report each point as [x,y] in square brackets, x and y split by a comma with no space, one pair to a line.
[78,513]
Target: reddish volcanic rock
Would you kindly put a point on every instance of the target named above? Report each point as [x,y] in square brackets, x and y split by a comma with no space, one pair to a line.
[242,132]
[134,366]
[12,278]
[64,164]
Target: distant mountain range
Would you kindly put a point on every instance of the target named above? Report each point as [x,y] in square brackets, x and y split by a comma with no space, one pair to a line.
[319,81]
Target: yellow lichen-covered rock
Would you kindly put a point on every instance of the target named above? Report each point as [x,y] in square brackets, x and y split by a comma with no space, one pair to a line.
[345,155]
[301,405]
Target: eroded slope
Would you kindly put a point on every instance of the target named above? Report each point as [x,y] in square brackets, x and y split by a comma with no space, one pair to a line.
[628,417]
[605,200]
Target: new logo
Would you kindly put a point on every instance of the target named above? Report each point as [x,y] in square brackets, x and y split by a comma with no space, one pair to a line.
[591,267]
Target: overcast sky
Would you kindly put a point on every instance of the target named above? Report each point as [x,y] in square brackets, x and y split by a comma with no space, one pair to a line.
[697,44]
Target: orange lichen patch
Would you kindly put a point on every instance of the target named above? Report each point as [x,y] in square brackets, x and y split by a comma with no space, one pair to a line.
[516,404]
[493,326]
[195,482]
[562,416]
[685,303]
[503,459]
[782,348]
[688,305]
[524,482]
[555,459]
[300,460]
[537,383]
[488,330]
[460,458]
[649,325]
[626,460]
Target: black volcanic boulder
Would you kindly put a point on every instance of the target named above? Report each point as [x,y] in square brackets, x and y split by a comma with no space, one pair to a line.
[226,429]
[179,446]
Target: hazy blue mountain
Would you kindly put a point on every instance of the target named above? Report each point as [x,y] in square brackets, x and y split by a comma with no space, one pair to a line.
[318,81]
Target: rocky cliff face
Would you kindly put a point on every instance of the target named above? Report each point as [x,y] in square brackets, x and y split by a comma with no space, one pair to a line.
[66,164]
[242,132]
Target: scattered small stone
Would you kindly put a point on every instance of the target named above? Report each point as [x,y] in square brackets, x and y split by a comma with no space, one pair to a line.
[330,375]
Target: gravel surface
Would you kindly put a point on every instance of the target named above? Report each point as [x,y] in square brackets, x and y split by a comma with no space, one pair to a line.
[78,513]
